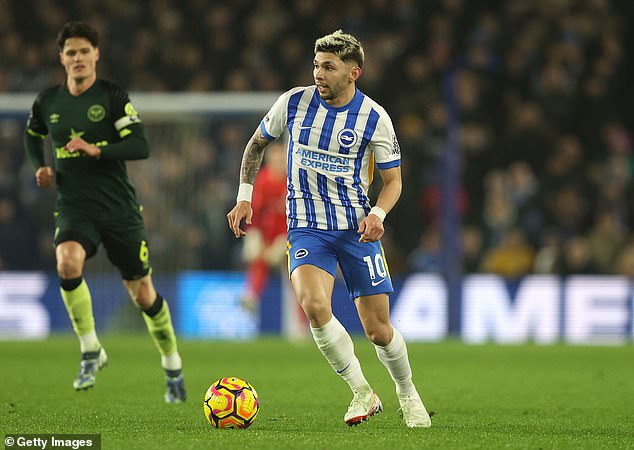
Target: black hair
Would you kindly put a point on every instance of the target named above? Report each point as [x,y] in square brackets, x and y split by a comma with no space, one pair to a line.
[76,29]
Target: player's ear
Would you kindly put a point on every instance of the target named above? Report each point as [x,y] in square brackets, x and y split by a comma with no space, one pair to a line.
[96,54]
[355,73]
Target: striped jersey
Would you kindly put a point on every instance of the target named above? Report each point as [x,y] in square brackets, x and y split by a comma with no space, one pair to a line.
[331,156]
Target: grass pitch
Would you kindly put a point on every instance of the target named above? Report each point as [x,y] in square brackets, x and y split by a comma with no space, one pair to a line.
[483,396]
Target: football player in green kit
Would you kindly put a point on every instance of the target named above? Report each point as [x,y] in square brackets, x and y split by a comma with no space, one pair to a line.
[94,129]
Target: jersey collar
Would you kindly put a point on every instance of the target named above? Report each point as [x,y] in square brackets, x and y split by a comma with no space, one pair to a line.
[356,100]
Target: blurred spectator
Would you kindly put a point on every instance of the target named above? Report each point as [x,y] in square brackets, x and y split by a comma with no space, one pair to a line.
[512,257]
[606,238]
[498,214]
[524,193]
[548,253]
[427,257]
[566,188]
[625,260]
[576,257]
[472,246]
[16,244]
[476,141]
[527,137]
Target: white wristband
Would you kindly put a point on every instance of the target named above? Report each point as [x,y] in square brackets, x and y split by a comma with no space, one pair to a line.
[245,192]
[378,212]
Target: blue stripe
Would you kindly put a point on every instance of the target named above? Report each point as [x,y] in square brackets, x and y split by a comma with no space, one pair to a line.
[265,133]
[309,119]
[326,130]
[292,214]
[351,120]
[292,202]
[291,110]
[389,165]
[293,103]
[309,204]
[370,128]
[331,212]
[351,215]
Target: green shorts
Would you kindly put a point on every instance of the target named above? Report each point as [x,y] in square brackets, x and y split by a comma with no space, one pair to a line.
[124,239]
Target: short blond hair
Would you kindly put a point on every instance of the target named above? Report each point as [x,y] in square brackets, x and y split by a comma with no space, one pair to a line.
[345,46]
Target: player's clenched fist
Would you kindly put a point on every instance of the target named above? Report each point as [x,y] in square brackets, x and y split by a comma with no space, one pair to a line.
[371,229]
[44,176]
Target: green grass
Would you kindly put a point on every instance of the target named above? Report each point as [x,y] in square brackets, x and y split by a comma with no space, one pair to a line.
[485,397]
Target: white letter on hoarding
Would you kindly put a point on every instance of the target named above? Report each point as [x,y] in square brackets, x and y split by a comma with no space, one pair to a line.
[596,309]
[420,312]
[22,316]
[489,314]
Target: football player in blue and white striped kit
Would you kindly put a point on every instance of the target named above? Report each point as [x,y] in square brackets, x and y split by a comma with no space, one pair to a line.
[336,135]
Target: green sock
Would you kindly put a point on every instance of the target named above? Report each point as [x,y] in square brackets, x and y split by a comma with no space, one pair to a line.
[79,306]
[159,323]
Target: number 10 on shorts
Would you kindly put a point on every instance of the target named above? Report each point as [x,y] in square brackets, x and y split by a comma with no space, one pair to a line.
[376,267]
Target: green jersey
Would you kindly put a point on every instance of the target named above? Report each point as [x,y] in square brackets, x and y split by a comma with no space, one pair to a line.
[103,116]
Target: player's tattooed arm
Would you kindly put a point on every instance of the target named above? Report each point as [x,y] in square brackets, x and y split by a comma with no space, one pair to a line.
[252,158]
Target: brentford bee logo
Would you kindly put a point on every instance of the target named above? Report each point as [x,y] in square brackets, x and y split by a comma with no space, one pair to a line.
[347,137]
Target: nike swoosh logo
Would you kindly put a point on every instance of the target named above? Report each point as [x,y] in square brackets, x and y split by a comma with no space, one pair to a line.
[305,128]
[376,283]
[342,370]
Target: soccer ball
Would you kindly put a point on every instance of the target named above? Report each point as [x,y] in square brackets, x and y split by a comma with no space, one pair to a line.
[231,403]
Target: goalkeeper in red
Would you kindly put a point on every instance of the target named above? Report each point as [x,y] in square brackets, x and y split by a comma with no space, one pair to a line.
[94,129]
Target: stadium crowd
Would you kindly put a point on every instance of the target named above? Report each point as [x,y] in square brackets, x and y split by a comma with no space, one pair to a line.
[542,90]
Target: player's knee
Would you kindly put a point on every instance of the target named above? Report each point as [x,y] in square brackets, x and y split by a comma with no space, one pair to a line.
[316,308]
[143,300]
[141,297]
[69,267]
[380,334]
[304,298]
[141,293]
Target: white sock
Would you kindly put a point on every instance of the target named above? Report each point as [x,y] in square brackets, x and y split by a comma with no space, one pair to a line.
[89,342]
[335,344]
[171,361]
[394,358]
